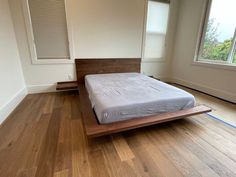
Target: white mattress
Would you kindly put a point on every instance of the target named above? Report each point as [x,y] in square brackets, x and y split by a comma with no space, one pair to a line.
[122,96]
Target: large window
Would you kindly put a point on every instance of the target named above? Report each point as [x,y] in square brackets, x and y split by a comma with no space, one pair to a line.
[218,43]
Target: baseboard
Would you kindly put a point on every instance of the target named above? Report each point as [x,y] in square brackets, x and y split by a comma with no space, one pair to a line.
[6,109]
[41,88]
[165,79]
[214,92]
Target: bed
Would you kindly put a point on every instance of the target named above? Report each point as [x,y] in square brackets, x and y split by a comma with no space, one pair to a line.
[115,97]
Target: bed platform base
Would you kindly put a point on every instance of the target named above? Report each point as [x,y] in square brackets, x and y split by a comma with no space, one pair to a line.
[94,129]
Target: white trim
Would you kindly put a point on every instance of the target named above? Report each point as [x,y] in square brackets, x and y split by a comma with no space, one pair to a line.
[230,58]
[44,88]
[155,33]
[200,43]
[6,109]
[168,30]
[215,92]
[153,60]
[70,32]
[210,64]
[52,61]
[31,44]
[29,30]
[201,30]
[144,29]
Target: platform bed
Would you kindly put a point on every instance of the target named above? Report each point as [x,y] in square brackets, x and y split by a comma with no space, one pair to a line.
[101,66]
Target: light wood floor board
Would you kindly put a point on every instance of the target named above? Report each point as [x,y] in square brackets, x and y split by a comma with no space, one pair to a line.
[44,137]
[122,148]
[221,109]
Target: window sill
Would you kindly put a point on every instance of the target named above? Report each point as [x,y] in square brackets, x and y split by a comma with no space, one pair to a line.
[153,60]
[208,64]
[52,61]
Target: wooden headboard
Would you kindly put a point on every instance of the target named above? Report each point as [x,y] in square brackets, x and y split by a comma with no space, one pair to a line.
[101,66]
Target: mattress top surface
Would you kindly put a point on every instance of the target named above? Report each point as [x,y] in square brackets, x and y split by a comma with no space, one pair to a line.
[124,89]
[122,96]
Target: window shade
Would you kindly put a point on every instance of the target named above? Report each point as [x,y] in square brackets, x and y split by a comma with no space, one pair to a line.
[48,19]
[156,29]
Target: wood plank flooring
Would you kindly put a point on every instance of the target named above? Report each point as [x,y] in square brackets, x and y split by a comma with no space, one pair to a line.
[221,109]
[44,137]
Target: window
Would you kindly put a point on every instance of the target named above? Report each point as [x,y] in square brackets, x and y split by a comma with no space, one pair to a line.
[218,43]
[47,31]
[156,30]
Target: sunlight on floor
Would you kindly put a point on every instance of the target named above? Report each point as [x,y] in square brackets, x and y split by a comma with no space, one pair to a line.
[221,109]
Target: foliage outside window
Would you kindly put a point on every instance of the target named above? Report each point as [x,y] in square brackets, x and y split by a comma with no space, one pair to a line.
[219,39]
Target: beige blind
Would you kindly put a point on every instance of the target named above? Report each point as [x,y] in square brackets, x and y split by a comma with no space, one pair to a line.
[156,29]
[49,28]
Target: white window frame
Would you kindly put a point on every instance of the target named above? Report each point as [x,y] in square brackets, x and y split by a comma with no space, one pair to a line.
[200,43]
[162,59]
[30,35]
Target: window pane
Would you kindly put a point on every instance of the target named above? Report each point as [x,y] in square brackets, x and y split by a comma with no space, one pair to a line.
[157,22]
[48,19]
[157,17]
[220,30]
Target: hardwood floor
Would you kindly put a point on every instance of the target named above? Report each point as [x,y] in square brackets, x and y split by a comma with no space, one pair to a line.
[44,138]
[221,109]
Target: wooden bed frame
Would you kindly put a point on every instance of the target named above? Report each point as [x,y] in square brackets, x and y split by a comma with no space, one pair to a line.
[99,66]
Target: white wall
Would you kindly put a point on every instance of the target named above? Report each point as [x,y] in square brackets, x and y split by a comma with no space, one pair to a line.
[107,28]
[215,81]
[101,28]
[12,89]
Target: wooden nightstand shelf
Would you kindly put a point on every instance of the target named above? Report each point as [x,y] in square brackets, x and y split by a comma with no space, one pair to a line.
[70,85]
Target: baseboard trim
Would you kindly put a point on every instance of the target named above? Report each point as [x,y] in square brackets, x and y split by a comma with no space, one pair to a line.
[231,97]
[165,79]
[46,88]
[7,109]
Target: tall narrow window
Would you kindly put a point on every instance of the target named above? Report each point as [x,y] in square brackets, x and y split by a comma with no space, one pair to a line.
[218,43]
[156,29]
[48,30]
